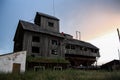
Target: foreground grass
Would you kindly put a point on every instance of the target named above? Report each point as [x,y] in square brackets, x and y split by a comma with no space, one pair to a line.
[62,75]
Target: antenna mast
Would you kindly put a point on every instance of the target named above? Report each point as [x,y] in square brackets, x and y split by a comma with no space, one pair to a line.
[78,35]
[53,7]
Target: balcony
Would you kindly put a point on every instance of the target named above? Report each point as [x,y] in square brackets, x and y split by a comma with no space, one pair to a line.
[81,52]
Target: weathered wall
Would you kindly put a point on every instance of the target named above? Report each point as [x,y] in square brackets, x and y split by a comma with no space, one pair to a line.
[44,24]
[45,45]
[6,61]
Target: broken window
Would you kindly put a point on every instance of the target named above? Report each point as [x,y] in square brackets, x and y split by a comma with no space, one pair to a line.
[54,52]
[36,39]
[54,42]
[50,24]
[35,49]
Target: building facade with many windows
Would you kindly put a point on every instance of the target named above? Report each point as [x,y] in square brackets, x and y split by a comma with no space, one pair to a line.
[43,39]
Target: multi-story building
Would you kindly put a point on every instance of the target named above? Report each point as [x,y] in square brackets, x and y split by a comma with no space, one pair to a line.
[43,39]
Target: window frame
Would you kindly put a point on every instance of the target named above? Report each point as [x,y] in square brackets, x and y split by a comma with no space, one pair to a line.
[50,24]
[54,42]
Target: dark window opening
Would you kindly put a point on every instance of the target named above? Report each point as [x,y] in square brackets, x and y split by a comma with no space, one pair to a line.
[54,42]
[92,50]
[50,24]
[36,39]
[67,47]
[96,51]
[35,49]
[81,48]
[85,49]
[54,52]
[32,55]
[59,43]
[72,47]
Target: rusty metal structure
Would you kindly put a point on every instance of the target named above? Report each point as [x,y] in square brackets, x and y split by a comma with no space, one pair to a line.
[43,39]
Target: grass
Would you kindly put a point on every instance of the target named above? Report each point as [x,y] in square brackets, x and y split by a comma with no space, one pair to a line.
[62,75]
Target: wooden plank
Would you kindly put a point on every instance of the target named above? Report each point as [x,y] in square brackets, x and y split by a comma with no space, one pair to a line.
[16,67]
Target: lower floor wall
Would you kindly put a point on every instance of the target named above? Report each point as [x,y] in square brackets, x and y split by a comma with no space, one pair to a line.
[77,60]
[42,66]
[73,62]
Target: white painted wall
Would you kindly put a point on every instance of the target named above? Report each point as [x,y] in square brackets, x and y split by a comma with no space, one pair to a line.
[7,60]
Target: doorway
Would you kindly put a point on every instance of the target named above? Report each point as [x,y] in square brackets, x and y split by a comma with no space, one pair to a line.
[16,67]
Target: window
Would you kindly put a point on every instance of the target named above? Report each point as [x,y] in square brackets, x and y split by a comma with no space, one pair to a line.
[35,49]
[81,48]
[85,49]
[72,47]
[50,24]
[67,47]
[92,50]
[54,52]
[54,42]
[96,51]
[36,39]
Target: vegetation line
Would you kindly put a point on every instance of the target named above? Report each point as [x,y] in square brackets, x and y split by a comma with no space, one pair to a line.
[68,74]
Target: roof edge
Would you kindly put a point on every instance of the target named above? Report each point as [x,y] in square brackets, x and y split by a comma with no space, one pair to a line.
[47,15]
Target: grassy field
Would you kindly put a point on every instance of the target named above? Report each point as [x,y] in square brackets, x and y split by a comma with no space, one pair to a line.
[62,75]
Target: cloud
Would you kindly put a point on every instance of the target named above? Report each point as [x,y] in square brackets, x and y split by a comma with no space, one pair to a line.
[92,18]
[108,45]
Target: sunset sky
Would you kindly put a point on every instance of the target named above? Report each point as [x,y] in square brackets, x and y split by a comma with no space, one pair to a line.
[97,20]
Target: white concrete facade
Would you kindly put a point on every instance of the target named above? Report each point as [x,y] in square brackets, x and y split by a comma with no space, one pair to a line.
[7,61]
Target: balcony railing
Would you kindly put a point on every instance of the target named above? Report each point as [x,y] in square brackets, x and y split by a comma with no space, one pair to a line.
[84,53]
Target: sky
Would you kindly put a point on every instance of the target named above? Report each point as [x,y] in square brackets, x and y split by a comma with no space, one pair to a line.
[97,20]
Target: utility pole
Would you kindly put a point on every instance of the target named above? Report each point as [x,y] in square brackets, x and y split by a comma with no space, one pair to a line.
[118,34]
[119,54]
[119,41]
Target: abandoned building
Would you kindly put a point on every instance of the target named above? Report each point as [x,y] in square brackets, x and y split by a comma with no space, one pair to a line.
[43,39]
[112,65]
[13,62]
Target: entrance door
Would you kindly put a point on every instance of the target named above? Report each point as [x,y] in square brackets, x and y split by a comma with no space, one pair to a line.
[16,67]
